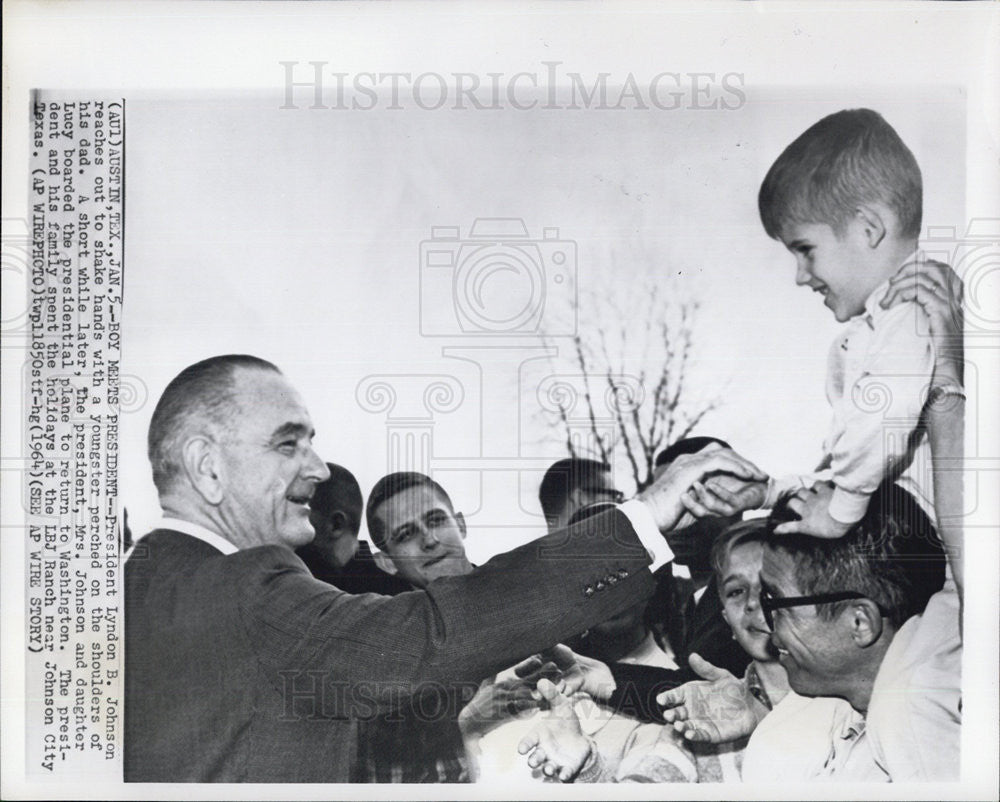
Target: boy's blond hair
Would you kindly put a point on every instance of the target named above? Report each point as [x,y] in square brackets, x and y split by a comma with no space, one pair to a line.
[846,160]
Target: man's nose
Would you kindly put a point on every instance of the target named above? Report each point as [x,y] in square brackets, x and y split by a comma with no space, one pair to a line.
[427,538]
[315,467]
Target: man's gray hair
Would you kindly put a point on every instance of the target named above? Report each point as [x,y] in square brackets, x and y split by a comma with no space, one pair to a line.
[201,393]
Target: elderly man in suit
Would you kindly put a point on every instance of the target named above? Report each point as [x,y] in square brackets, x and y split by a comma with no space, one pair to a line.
[240,666]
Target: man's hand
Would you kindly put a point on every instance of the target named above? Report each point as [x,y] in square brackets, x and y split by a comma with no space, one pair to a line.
[494,703]
[723,495]
[557,744]
[812,505]
[569,672]
[717,709]
[664,496]
[937,289]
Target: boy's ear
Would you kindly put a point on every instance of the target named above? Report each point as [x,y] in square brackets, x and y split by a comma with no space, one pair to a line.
[866,622]
[873,224]
[384,561]
[460,520]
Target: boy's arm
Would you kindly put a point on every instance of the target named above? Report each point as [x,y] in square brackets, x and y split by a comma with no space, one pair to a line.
[880,411]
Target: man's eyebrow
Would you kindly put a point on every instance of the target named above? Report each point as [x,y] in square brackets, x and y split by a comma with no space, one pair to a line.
[400,529]
[294,429]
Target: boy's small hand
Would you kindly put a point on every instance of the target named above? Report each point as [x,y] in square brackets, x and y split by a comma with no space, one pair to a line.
[813,508]
[723,495]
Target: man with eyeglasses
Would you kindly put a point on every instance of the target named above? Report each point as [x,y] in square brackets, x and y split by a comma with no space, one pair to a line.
[864,618]
[869,618]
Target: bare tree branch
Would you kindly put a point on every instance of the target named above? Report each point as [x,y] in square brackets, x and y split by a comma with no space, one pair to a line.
[649,330]
[585,370]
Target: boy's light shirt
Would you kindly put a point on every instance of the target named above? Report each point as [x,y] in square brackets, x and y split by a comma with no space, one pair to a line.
[878,374]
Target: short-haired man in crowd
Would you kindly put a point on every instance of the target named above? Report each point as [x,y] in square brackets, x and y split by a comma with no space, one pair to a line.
[420,538]
[571,484]
[413,522]
[335,555]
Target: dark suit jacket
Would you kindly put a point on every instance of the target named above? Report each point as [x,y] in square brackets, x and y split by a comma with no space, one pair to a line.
[244,668]
[360,575]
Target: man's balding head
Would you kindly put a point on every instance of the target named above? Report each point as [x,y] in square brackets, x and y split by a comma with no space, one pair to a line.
[199,399]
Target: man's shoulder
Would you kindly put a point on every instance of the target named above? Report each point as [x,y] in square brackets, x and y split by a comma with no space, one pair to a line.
[167,550]
[914,717]
[922,666]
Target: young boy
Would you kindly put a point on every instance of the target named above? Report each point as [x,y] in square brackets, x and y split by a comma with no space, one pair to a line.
[845,199]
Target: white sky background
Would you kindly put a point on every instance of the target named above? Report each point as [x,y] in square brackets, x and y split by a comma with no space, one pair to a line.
[294,235]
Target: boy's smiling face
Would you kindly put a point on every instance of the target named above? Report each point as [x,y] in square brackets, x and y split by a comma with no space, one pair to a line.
[838,267]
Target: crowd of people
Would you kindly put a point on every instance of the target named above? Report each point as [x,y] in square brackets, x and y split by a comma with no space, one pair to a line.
[723,625]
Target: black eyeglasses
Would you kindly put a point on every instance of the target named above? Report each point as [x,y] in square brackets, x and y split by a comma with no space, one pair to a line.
[769,603]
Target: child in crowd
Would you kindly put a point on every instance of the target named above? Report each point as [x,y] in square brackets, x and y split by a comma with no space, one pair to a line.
[845,198]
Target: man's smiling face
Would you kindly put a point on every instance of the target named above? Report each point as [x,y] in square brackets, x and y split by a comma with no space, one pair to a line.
[423,535]
[815,652]
[268,469]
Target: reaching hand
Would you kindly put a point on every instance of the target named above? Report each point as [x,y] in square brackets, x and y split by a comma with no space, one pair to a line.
[569,672]
[557,744]
[723,495]
[936,288]
[716,709]
[664,496]
[813,507]
[494,703]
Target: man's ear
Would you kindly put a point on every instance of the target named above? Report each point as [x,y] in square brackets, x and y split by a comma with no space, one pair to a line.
[866,622]
[460,520]
[339,522]
[203,467]
[384,561]
[873,224]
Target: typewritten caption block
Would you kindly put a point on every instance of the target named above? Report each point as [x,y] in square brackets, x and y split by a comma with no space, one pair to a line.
[74,612]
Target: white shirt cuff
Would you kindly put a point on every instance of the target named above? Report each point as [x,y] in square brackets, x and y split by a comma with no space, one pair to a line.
[848,507]
[648,533]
